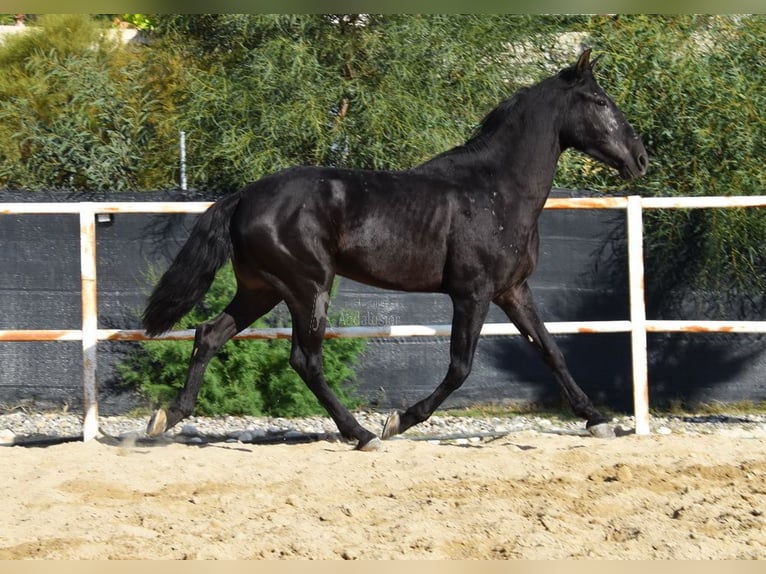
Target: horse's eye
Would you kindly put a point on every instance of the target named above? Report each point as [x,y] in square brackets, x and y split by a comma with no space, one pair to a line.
[601,102]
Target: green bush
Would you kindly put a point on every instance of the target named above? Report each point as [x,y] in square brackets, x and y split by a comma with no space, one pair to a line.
[81,111]
[248,377]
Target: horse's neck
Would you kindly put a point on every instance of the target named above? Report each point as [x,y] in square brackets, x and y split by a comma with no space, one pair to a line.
[530,158]
[521,157]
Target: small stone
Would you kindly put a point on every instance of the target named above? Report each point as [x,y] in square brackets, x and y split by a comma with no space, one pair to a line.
[7,436]
[246,436]
[664,430]
[189,430]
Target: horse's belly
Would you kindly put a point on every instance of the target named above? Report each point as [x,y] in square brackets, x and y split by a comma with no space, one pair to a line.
[391,268]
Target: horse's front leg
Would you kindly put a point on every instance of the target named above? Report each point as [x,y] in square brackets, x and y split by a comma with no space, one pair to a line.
[468,318]
[518,304]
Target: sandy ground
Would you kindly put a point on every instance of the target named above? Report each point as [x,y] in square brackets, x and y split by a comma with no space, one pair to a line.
[526,495]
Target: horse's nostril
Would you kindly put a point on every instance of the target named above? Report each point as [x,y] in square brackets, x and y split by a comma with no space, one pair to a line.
[643,162]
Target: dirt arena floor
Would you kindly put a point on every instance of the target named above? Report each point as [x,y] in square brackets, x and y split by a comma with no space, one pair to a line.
[526,495]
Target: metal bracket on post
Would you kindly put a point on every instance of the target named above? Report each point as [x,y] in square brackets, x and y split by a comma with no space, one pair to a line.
[89,319]
[638,342]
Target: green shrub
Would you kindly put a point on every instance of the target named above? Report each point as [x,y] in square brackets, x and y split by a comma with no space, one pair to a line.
[247,377]
[81,111]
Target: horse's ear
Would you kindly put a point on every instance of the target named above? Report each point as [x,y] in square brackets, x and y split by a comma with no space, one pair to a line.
[583,62]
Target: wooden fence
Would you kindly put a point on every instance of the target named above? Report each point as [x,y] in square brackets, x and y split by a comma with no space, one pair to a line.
[637,325]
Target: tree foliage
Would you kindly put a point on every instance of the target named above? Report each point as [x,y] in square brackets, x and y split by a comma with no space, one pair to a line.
[268,92]
[80,111]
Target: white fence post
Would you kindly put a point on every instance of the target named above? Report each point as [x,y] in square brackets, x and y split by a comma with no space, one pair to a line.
[89,319]
[635,230]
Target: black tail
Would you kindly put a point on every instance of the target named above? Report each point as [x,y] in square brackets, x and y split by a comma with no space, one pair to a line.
[192,272]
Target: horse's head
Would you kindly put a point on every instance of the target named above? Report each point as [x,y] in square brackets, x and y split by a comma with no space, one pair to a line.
[596,126]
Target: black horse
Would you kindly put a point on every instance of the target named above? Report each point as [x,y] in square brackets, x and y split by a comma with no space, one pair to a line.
[464,223]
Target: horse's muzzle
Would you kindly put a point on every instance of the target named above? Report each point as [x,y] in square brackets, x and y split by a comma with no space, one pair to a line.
[639,164]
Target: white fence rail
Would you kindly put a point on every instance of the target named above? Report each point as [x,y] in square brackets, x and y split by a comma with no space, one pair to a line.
[638,325]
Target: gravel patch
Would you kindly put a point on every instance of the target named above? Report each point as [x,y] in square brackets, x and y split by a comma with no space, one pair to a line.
[49,428]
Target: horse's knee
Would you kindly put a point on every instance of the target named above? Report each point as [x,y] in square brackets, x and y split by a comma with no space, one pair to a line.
[307,365]
[298,361]
[458,372]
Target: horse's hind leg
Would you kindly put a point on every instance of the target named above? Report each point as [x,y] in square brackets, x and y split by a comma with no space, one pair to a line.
[520,308]
[244,309]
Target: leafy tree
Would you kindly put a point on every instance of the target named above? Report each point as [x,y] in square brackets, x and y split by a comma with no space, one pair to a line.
[267,92]
[79,111]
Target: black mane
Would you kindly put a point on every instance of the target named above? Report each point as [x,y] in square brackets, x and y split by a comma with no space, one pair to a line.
[493,121]
[482,135]
[498,117]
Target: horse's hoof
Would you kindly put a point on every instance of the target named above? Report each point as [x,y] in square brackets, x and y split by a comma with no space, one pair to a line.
[371,445]
[158,423]
[391,427]
[601,430]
